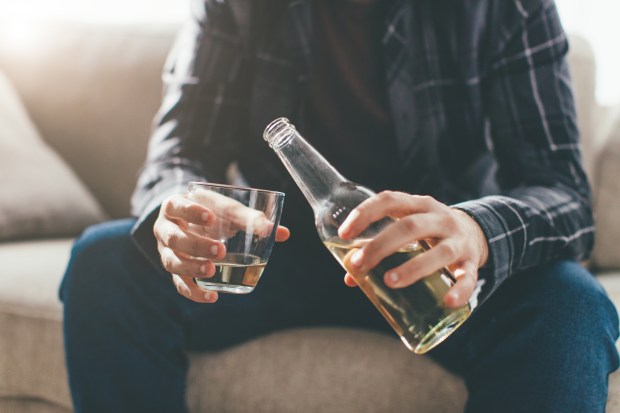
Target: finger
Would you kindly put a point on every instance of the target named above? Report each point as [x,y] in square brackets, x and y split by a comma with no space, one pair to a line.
[387,203]
[190,290]
[442,255]
[186,266]
[230,211]
[232,216]
[461,292]
[179,207]
[254,221]
[282,233]
[395,236]
[190,243]
[349,280]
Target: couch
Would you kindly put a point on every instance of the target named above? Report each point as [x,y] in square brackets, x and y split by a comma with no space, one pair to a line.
[91,91]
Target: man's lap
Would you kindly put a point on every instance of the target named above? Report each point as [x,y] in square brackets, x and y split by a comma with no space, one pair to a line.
[303,286]
[300,287]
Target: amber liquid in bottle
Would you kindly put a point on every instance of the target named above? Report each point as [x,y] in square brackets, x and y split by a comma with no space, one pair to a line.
[417,313]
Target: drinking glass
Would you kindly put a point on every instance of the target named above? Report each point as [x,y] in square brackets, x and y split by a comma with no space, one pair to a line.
[245,221]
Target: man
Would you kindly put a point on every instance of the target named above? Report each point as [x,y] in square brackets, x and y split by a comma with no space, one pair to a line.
[465,102]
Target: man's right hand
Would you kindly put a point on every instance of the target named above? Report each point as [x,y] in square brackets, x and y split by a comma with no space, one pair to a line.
[187,250]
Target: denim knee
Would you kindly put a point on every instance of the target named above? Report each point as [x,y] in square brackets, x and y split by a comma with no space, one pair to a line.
[575,312]
[95,255]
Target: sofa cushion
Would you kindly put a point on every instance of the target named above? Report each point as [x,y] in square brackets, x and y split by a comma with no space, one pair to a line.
[583,73]
[322,370]
[31,349]
[610,280]
[95,99]
[30,276]
[41,196]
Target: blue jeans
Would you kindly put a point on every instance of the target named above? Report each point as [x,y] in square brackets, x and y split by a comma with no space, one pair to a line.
[544,342]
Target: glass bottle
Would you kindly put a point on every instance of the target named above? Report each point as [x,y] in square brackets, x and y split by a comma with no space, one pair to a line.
[417,313]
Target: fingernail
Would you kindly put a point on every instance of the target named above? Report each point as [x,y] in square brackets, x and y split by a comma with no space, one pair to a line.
[356,258]
[209,296]
[214,250]
[454,296]
[205,217]
[393,277]
[203,269]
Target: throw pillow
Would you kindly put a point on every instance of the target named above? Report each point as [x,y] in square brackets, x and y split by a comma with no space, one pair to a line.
[40,196]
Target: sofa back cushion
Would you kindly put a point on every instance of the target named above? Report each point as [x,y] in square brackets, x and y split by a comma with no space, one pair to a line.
[40,195]
[92,91]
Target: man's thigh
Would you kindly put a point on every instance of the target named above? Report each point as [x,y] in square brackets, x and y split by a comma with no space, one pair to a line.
[535,340]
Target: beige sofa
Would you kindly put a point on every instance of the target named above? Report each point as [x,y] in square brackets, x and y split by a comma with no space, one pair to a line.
[92,91]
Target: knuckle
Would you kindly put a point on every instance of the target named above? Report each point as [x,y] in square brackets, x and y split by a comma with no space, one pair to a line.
[193,210]
[386,196]
[451,219]
[370,251]
[426,200]
[172,238]
[449,251]
[156,229]
[409,224]
[168,205]
[196,247]
[195,269]
[448,225]
[167,261]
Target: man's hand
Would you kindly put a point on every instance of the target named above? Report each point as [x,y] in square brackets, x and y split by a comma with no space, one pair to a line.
[458,242]
[185,237]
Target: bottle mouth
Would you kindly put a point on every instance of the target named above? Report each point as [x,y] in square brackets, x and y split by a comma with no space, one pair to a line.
[279,132]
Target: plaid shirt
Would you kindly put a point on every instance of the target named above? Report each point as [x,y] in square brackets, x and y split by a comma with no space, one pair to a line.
[481,103]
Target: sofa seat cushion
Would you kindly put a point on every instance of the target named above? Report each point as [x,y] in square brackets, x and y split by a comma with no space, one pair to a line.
[30,276]
[611,282]
[31,349]
[322,370]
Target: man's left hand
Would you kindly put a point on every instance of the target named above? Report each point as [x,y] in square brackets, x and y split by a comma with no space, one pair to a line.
[457,239]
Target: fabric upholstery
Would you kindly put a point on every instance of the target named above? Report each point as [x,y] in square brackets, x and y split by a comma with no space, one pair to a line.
[613,401]
[96,98]
[607,199]
[30,406]
[41,196]
[31,349]
[322,370]
[611,282]
[582,68]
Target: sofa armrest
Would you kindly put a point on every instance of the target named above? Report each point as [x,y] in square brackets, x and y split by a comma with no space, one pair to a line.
[607,188]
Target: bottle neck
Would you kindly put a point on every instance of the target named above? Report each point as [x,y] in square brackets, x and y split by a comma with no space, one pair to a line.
[314,175]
